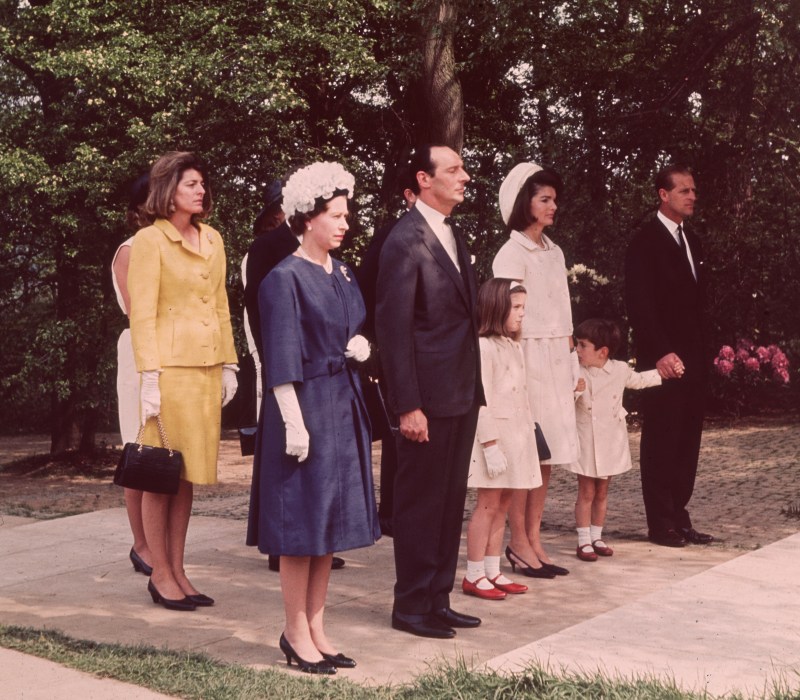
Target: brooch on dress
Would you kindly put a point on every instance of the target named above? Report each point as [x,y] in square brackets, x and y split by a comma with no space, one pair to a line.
[343,270]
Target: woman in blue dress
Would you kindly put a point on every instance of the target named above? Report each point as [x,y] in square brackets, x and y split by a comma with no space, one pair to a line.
[314,443]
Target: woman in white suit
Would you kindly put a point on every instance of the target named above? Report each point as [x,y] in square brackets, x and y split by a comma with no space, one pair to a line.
[127,376]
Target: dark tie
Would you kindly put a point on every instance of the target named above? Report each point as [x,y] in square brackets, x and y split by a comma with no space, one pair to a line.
[682,244]
[681,240]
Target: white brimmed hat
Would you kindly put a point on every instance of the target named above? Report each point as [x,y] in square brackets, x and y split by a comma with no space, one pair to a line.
[512,185]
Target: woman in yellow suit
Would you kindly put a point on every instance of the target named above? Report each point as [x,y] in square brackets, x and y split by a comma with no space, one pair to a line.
[183,346]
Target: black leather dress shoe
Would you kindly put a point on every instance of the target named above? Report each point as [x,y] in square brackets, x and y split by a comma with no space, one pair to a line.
[695,537]
[337,563]
[667,538]
[422,626]
[456,619]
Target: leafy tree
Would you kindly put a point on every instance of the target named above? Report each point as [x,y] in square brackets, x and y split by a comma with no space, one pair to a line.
[605,91]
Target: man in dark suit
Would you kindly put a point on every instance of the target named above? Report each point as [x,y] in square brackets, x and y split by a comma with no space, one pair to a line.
[665,281]
[427,335]
[367,276]
[274,240]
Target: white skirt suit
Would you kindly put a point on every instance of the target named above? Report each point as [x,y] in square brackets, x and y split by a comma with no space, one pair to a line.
[546,330]
[602,429]
[506,417]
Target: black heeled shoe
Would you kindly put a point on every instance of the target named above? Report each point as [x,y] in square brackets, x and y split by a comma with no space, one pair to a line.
[557,570]
[339,660]
[183,604]
[526,569]
[200,600]
[140,566]
[323,667]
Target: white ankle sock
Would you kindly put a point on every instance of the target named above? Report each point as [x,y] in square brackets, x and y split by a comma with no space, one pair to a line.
[584,536]
[492,567]
[475,571]
[596,532]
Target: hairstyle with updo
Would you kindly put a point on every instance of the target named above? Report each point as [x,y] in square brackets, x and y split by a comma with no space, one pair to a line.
[600,332]
[135,216]
[165,174]
[299,220]
[521,217]
[494,303]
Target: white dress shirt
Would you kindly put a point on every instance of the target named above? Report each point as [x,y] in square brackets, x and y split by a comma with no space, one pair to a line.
[672,227]
[440,229]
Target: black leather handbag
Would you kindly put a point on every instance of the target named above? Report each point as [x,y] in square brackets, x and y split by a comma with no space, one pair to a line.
[541,444]
[146,468]
[247,440]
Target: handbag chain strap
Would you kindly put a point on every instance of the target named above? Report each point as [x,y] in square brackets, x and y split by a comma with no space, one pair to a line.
[161,433]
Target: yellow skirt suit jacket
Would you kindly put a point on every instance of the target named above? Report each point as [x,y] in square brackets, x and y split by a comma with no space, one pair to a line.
[180,324]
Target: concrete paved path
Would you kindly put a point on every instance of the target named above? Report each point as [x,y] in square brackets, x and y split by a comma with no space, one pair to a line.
[73,575]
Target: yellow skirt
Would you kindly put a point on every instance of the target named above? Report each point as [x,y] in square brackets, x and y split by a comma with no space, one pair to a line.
[191,406]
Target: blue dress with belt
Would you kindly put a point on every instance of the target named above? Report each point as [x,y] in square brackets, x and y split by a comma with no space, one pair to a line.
[326,503]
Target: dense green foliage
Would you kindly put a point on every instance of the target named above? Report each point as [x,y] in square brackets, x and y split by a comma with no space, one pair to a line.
[605,91]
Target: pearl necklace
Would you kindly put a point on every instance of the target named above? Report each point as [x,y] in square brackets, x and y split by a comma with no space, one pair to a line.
[327,265]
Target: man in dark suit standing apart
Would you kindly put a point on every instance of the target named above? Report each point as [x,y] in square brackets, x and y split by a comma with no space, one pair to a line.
[427,335]
[665,283]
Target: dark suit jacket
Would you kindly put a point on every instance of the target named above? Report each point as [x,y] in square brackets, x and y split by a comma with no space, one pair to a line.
[367,276]
[265,252]
[426,323]
[665,303]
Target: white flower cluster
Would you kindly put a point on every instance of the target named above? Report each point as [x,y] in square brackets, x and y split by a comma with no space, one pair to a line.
[580,270]
[318,180]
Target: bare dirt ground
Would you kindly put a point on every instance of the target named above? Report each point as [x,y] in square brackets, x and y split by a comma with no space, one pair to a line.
[747,491]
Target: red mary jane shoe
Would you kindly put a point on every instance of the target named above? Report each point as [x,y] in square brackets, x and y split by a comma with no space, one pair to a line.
[586,553]
[471,588]
[508,587]
[601,548]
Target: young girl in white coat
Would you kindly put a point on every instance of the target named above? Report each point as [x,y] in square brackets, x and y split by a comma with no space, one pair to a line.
[504,456]
[602,429]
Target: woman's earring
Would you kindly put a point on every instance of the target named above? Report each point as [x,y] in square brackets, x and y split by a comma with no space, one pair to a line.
[172,207]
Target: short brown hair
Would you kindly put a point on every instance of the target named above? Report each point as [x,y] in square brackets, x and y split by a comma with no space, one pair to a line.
[600,332]
[494,303]
[165,174]
[663,179]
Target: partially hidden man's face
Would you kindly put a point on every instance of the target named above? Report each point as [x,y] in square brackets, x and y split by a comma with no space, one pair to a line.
[446,186]
[677,204]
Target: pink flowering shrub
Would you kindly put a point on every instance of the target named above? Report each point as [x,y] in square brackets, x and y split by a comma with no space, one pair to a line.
[748,375]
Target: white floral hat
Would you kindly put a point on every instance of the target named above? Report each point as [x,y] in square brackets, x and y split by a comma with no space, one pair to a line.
[315,181]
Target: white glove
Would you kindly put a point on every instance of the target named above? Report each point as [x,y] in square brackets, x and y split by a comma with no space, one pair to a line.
[150,394]
[229,383]
[297,440]
[496,462]
[357,348]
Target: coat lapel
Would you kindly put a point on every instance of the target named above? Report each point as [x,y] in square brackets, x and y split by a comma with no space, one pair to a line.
[674,253]
[439,254]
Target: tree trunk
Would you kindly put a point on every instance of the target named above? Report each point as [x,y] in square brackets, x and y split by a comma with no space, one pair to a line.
[441,89]
[64,431]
